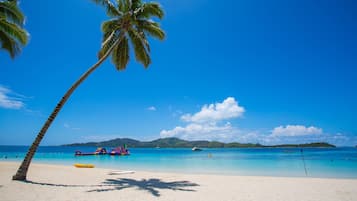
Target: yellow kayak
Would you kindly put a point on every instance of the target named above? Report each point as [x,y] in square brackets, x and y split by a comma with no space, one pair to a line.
[80,165]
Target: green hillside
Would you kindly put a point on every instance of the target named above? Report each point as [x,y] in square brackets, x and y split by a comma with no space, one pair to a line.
[179,143]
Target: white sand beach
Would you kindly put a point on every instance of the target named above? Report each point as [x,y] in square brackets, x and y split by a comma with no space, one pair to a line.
[54,183]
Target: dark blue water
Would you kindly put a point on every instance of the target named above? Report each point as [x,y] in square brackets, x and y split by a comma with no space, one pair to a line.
[318,162]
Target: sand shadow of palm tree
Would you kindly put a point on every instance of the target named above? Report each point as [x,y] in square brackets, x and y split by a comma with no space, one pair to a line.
[60,185]
[150,185]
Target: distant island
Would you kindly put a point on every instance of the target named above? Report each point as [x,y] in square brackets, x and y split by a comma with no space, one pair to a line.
[179,143]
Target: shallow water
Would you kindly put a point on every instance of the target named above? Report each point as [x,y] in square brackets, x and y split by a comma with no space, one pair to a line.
[319,162]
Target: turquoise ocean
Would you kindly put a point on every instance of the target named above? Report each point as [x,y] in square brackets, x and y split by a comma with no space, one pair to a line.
[292,162]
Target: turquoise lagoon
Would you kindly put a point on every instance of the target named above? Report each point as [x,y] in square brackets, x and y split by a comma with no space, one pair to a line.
[319,162]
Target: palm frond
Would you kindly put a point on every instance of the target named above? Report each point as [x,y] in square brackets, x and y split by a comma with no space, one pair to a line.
[10,11]
[123,5]
[9,44]
[135,4]
[141,47]
[151,28]
[151,9]
[120,55]
[14,31]
[111,25]
[108,41]
[128,5]
[12,35]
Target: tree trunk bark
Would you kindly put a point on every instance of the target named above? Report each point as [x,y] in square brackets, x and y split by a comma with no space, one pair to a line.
[22,171]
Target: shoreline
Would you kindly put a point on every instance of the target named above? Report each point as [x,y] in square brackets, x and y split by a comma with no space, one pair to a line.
[287,174]
[61,182]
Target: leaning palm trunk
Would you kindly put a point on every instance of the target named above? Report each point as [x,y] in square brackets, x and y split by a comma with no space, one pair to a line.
[130,20]
[22,171]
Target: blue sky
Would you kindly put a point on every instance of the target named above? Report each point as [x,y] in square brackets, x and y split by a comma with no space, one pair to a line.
[248,71]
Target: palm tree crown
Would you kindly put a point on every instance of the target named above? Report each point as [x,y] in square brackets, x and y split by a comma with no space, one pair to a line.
[130,21]
[12,35]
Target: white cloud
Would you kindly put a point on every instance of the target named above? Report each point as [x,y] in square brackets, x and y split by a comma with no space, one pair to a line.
[228,109]
[194,131]
[10,99]
[151,108]
[208,123]
[295,130]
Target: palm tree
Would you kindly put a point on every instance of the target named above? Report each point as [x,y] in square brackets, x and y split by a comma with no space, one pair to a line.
[130,21]
[12,35]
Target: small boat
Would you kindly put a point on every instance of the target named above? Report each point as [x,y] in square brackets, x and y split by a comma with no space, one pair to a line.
[196,149]
[99,151]
[121,151]
[80,165]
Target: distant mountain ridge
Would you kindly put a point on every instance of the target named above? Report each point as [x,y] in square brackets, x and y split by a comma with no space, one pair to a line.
[179,143]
